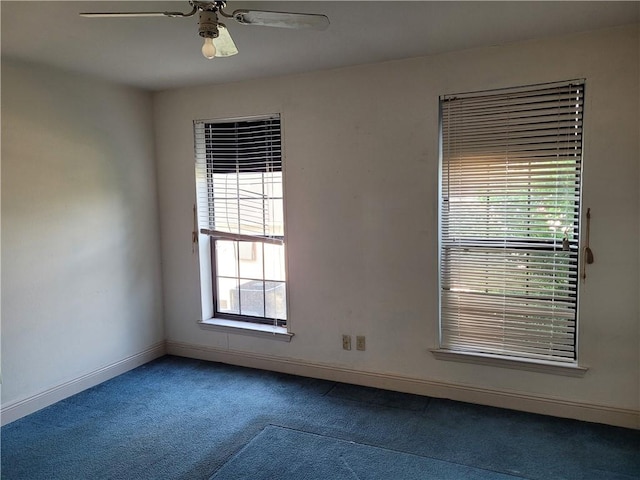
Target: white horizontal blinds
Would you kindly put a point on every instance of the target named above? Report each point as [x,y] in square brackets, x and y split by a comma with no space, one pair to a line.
[511,163]
[242,164]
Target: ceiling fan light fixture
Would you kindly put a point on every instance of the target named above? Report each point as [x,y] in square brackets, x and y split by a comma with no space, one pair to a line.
[208,29]
[217,40]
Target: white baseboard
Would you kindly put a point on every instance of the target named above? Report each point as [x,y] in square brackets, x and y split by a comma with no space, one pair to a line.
[18,409]
[496,398]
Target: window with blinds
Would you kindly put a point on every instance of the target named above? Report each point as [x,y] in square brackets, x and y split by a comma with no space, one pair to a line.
[509,220]
[240,207]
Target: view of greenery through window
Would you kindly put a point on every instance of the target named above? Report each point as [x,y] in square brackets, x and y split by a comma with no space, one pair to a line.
[527,214]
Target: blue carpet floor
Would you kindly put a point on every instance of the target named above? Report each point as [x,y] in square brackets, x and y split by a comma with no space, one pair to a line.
[177,418]
[285,453]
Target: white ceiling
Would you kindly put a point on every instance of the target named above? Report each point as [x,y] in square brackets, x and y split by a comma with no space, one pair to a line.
[158,53]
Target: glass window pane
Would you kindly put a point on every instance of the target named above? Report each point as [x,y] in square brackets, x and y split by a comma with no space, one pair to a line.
[274,220]
[252,298]
[224,185]
[228,300]
[250,184]
[274,262]
[251,260]
[276,300]
[251,216]
[247,252]
[225,215]
[273,184]
[226,258]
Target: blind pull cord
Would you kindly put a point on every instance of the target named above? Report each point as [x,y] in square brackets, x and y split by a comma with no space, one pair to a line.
[588,254]
[194,234]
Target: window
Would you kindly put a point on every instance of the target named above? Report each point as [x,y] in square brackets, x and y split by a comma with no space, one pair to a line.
[510,209]
[240,208]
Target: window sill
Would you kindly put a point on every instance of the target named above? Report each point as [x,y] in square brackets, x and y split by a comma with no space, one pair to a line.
[569,370]
[246,328]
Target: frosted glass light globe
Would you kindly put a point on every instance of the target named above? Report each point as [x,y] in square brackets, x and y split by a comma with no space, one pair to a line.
[208,49]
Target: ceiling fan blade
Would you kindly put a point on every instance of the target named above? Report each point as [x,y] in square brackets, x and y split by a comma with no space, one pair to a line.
[128,14]
[224,43]
[139,14]
[281,19]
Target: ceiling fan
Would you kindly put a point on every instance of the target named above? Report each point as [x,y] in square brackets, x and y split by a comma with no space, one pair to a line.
[217,40]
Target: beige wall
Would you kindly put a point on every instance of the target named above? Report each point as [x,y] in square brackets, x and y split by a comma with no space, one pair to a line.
[361,178]
[81,276]
[81,286]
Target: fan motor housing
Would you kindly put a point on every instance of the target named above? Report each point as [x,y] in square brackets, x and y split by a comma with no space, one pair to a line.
[208,24]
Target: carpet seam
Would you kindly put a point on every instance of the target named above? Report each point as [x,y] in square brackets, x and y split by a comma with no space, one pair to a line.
[232,455]
[325,394]
[396,451]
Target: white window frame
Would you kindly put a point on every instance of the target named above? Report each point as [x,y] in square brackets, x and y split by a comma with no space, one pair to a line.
[461,346]
[206,239]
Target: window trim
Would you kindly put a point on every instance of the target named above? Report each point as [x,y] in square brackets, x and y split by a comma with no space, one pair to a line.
[253,329]
[205,241]
[442,352]
[519,363]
